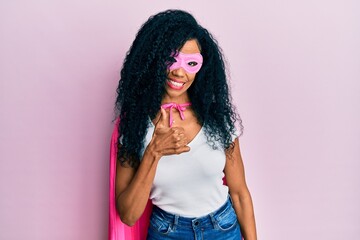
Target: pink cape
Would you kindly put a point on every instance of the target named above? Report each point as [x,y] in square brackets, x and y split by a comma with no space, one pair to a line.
[117,229]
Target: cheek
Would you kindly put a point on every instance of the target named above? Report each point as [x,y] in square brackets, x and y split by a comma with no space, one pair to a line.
[191,76]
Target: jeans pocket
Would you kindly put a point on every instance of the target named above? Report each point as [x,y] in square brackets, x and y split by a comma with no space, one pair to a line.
[227,219]
[159,224]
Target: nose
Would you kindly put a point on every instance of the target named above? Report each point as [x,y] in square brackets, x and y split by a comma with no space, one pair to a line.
[178,72]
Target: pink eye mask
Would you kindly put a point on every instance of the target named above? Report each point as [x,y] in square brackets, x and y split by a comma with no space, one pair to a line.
[191,63]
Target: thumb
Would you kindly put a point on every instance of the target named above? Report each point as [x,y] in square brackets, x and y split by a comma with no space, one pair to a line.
[163,120]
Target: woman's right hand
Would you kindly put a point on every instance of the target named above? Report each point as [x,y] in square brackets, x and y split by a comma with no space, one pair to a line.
[166,140]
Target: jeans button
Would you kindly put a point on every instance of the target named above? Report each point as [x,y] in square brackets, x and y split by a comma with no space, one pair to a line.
[196,223]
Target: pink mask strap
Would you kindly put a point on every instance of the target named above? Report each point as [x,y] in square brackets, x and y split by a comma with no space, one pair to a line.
[180,107]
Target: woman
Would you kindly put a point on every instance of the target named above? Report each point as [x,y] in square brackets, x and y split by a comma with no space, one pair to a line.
[177,136]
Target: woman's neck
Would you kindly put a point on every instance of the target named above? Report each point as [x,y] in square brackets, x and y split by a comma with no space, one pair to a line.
[179,99]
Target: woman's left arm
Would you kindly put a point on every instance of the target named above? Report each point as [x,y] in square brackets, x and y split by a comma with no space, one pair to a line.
[239,192]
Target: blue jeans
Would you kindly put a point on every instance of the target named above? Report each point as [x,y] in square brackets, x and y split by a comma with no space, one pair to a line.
[220,225]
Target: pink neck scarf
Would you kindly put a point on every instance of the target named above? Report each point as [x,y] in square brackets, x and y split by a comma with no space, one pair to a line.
[180,107]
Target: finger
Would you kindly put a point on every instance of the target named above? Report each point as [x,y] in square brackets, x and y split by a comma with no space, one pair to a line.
[174,151]
[157,117]
[182,149]
[185,149]
[179,138]
[163,120]
[178,129]
[178,143]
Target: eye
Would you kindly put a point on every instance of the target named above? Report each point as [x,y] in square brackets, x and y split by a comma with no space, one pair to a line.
[192,64]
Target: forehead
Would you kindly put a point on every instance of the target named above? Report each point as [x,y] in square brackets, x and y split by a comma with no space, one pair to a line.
[190,46]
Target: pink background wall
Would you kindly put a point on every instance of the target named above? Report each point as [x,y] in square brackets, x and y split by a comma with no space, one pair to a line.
[295,72]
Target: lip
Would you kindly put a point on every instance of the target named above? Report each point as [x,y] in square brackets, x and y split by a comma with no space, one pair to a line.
[172,86]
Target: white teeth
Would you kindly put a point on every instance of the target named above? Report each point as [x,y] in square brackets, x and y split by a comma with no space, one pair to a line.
[176,83]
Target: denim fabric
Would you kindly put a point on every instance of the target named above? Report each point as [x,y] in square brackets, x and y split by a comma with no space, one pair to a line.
[219,225]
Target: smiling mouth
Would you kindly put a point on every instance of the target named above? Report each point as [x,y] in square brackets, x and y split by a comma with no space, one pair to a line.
[175,85]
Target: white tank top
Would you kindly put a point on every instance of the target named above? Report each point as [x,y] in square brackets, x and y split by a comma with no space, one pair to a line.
[190,184]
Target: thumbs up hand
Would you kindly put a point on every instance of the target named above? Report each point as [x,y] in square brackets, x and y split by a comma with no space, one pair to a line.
[166,140]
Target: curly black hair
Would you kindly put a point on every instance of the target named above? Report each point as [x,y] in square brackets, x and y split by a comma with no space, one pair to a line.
[142,83]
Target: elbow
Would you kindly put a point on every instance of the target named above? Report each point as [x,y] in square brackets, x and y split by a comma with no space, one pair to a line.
[128,221]
[127,214]
[126,218]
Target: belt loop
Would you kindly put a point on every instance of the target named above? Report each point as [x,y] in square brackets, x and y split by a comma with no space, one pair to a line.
[213,221]
[175,223]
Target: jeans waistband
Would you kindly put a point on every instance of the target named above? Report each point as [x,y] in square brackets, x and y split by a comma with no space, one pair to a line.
[208,219]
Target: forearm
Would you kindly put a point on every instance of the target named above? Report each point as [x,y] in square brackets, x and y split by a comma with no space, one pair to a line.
[132,201]
[133,186]
[245,213]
